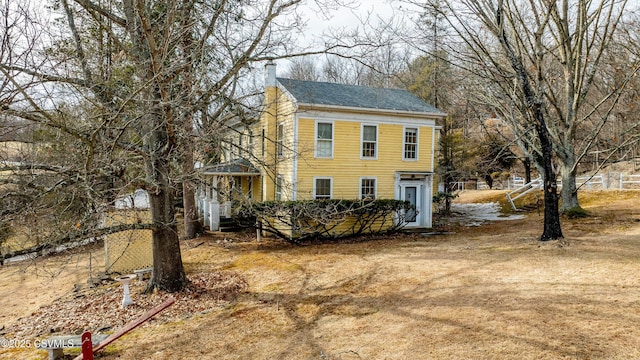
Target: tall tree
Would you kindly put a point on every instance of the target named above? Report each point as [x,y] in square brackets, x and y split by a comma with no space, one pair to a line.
[561,46]
[430,77]
[126,84]
[541,59]
[495,55]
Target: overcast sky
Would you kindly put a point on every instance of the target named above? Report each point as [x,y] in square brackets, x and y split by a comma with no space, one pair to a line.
[349,17]
[344,18]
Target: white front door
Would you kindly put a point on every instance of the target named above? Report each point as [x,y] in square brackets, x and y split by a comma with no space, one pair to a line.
[411,191]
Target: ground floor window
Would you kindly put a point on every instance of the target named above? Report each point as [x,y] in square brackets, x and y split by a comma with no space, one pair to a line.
[278,190]
[322,188]
[368,188]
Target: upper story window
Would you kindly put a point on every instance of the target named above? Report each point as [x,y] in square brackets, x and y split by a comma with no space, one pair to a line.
[232,148]
[369,141]
[262,137]
[280,140]
[324,139]
[410,144]
[250,141]
[368,188]
[322,188]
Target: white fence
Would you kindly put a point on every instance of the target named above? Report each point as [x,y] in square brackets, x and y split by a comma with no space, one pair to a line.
[591,181]
[629,181]
[515,182]
[536,184]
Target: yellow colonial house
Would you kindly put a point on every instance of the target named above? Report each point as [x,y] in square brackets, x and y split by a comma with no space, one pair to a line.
[318,140]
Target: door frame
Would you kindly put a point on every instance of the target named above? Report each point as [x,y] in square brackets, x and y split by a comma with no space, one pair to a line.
[418,200]
[424,195]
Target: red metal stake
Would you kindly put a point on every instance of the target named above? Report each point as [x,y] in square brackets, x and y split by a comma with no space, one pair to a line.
[87,346]
[128,327]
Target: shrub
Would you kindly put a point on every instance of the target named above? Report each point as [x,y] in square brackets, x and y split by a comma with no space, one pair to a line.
[441,199]
[325,219]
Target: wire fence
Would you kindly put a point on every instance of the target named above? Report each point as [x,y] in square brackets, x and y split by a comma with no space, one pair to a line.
[129,250]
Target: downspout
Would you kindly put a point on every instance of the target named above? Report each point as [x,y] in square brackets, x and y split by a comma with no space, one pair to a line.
[294,172]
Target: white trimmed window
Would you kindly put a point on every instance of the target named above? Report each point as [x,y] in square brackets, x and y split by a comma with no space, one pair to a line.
[251,141]
[369,142]
[232,148]
[280,140]
[278,190]
[262,142]
[324,139]
[410,144]
[322,188]
[368,188]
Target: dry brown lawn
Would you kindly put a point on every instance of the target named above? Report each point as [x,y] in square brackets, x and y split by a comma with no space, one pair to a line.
[489,292]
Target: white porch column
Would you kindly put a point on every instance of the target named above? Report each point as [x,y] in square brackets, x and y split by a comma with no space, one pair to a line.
[396,186]
[199,202]
[214,190]
[397,193]
[214,215]
[206,204]
[214,206]
[428,195]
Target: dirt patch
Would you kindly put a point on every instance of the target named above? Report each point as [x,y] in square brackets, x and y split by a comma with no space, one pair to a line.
[486,292]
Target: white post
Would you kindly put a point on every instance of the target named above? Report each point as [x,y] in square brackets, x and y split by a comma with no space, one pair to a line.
[209,193]
[198,204]
[214,191]
[214,206]
[621,176]
[428,208]
[214,215]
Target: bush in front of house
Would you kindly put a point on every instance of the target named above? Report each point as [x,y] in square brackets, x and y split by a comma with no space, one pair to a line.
[301,220]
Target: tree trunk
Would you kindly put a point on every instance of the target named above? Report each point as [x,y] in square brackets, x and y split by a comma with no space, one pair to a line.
[534,105]
[527,169]
[190,215]
[168,272]
[569,190]
[489,180]
[188,193]
[552,229]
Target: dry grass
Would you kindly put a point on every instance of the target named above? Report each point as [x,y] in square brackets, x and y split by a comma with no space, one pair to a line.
[483,293]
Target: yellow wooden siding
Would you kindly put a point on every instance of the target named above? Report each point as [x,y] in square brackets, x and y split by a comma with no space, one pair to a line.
[279,109]
[254,188]
[346,167]
[436,151]
[341,228]
[345,227]
[284,165]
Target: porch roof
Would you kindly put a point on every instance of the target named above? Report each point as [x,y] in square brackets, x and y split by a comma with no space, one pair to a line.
[238,167]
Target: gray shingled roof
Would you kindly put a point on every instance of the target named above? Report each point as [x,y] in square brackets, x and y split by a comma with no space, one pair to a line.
[323,93]
[235,167]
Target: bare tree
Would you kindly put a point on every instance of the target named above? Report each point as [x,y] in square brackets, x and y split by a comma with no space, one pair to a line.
[120,88]
[304,68]
[541,59]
